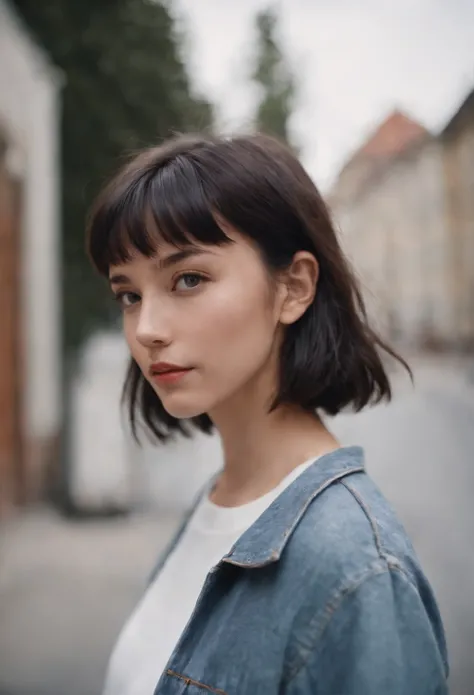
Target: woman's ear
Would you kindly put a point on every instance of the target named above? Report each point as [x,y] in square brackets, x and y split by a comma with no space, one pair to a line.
[300,281]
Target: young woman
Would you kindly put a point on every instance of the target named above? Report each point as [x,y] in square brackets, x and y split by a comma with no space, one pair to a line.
[291,575]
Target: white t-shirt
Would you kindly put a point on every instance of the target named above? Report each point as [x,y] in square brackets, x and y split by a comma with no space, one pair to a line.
[152,632]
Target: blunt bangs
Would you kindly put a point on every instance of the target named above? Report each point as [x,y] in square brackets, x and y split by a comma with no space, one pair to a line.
[146,206]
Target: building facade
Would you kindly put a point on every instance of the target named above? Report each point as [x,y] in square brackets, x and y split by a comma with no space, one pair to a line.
[30,355]
[458,158]
[398,228]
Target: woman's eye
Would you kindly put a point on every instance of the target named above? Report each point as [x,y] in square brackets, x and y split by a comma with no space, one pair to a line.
[188,281]
[127,299]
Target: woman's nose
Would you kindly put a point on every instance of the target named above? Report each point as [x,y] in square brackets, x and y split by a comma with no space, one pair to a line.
[153,327]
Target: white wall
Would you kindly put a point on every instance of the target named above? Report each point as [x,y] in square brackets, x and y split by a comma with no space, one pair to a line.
[29,117]
[101,476]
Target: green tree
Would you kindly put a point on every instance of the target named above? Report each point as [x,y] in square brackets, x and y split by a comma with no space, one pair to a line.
[126,87]
[275,79]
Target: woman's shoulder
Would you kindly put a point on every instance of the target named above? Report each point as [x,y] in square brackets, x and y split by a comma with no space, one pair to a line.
[350,562]
[350,529]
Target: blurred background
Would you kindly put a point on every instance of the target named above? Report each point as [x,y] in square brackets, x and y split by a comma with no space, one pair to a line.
[378,100]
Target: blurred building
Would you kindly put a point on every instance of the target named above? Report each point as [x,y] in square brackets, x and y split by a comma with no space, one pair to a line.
[458,155]
[29,262]
[393,136]
[399,228]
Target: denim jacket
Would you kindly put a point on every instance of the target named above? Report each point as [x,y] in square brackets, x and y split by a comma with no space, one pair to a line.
[322,595]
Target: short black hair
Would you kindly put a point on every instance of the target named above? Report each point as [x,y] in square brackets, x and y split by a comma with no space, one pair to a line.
[330,358]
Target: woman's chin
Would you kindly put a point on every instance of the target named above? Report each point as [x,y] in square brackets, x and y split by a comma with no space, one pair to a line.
[183,408]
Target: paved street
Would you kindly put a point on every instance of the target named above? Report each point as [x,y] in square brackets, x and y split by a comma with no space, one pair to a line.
[65,587]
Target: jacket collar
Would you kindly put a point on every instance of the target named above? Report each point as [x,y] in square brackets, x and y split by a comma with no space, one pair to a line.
[264,542]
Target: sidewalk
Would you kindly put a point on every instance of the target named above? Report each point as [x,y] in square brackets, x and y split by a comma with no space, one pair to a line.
[65,590]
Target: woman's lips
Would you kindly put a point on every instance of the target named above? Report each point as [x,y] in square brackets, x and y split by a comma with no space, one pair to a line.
[170,376]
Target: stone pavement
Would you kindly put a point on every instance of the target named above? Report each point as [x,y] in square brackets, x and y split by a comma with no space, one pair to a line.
[65,590]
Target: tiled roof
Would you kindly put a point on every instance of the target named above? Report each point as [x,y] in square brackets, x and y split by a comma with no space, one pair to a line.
[396,134]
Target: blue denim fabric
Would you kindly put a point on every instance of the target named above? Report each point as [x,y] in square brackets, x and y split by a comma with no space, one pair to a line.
[322,595]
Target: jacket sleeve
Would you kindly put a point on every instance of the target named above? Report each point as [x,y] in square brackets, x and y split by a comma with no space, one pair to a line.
[377,639]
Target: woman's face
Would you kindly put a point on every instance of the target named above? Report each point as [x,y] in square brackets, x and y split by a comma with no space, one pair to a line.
[201,322]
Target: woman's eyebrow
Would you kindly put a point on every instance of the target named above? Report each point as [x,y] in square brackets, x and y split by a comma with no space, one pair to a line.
[180,255]
[119,279]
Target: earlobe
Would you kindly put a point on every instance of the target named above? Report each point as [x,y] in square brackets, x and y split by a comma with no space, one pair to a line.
[300,280]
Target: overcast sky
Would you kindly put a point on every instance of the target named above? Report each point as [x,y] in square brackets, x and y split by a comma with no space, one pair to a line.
[356,60]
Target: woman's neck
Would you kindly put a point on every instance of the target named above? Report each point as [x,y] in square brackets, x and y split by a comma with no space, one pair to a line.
[262,448]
